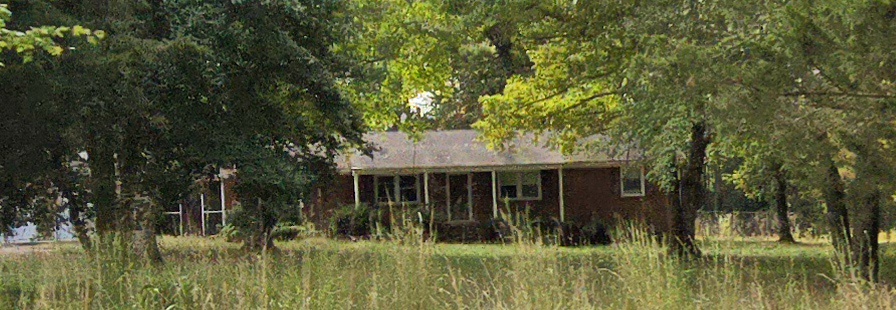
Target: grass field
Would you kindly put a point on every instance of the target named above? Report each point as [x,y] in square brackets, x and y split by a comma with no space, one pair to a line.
[325,274]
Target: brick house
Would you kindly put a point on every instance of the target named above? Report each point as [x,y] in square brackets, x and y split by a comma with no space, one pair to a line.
[462,180]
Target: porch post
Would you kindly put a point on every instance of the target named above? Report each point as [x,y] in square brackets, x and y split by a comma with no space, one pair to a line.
[426,188]
[180,218]
[202,211]
[357,189]
[448,194]
[494,194]
[223,203]
[470,196]
[560,181]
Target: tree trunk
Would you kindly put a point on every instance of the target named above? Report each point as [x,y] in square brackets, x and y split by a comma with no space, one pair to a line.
[103,181]
[784,234]
[260,238]
[837,215]
[145,245]
[718,184]
[865,237]
[75,209]
[692,194]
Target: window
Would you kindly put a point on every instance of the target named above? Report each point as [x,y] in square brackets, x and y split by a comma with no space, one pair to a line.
[525,185]
[385,189]
[407,188]
[399,188]
[632,181]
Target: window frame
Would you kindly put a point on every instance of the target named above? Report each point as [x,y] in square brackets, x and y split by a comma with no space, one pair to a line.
[396,188]
[622,191]
[519,185]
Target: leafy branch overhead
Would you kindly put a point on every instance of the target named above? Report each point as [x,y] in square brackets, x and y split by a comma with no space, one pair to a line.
[42,38]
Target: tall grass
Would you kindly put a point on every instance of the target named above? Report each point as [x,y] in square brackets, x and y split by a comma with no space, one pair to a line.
[634,273]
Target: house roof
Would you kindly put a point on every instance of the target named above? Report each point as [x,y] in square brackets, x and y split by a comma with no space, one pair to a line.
[459,150]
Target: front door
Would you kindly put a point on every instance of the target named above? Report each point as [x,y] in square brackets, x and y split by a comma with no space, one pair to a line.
[459,197]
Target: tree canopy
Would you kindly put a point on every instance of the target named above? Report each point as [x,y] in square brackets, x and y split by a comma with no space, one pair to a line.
[179,89]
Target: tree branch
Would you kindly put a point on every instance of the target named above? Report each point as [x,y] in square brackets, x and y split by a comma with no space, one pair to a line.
[589,98]
[837,94]
[546,98]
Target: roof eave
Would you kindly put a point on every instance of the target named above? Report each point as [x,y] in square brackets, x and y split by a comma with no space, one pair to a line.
[464,169]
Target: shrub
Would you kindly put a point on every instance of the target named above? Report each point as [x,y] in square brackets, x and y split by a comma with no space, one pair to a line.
[230,233]
[351,221]
[596,232]
[292,231]
[459,231]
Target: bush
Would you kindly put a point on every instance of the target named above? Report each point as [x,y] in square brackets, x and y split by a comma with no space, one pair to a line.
[351,221]
[292,231]
[496,230]
[459,231]
[230,233]
[596,232]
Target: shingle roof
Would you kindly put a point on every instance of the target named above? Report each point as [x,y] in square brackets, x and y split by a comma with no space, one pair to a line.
[453,149]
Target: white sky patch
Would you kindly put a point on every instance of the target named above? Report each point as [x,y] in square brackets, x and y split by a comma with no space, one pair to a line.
[423,104]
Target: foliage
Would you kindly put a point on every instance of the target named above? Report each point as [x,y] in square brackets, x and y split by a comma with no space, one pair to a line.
[25,43]
[448,52]
[180,90]
[349,220]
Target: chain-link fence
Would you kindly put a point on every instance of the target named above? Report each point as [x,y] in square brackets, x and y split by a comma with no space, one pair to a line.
[753,224]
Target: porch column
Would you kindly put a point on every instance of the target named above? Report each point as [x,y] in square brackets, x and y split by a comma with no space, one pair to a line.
[223,203]
[494,194]
[470,196]
[426,189]
[202,211]
[560,181]
[357,189]
[180,218]
[448,194]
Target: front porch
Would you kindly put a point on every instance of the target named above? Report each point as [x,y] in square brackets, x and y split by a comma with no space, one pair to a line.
[481,194]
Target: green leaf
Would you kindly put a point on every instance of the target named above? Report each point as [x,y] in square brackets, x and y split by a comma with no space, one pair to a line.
[80,31]
[55,50]
[60,31]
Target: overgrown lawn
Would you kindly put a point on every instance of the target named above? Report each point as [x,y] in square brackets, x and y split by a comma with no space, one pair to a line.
[318,273]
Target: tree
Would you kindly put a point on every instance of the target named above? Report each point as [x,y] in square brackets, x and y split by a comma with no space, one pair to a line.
[182,88]
[278,116]
[827,59]
[642,74]
[445,54]
[672,77]
[36,170]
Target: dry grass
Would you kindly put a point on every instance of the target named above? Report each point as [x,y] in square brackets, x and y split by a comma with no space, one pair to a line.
[325,274]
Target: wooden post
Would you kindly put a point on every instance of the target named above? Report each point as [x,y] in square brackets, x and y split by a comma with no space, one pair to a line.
[469,196]
[494,194]
[562,207]
[426,189]
[223,203]
[180,217]
[202,211]
[357,189]
[448,194]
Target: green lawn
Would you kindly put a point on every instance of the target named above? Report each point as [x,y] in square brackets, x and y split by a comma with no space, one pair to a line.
[325,274]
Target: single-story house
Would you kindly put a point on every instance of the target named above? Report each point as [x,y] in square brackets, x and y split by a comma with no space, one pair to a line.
[457,175]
